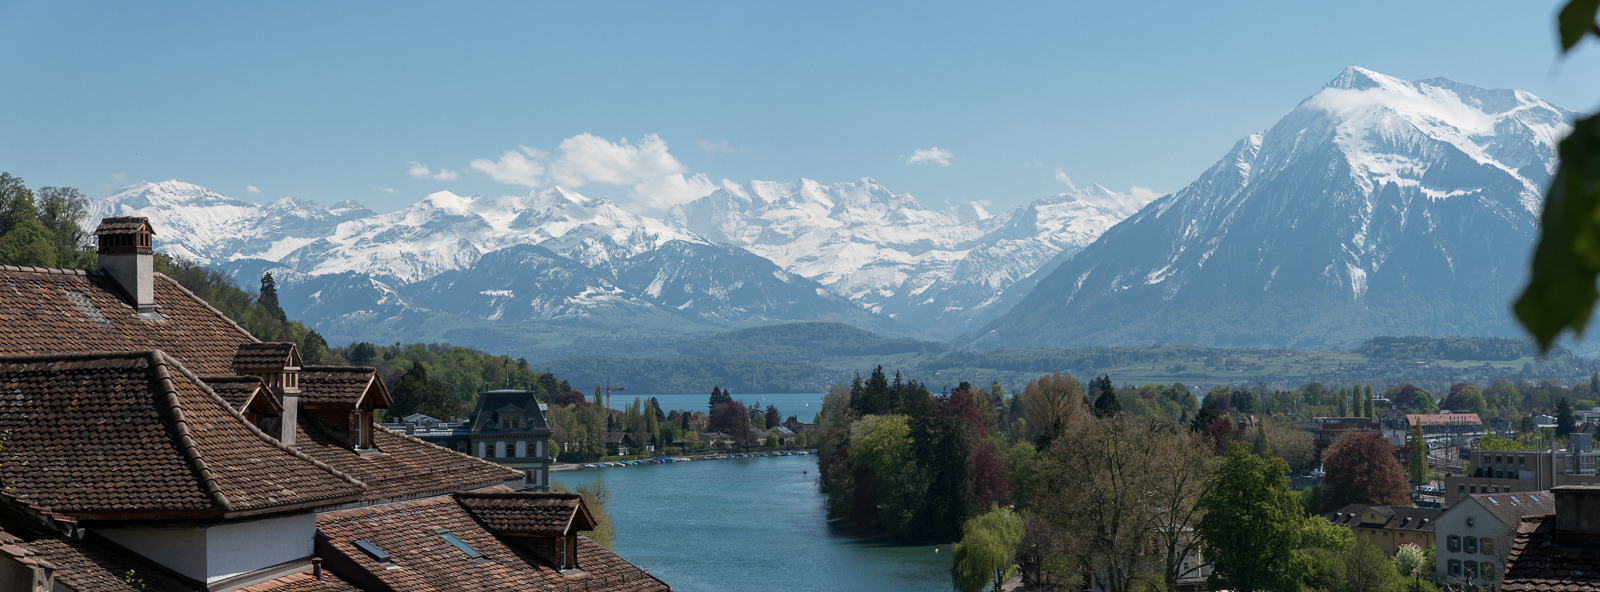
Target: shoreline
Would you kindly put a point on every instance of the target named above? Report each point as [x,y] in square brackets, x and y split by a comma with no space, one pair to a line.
[676,459]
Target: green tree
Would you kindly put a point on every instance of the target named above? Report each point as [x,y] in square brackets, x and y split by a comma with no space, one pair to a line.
[28,244]
[717,398]
[598,500]
[1417,464]
[16,203]
[1410,561]
[414,392]
[1366,569]
[61,211]
[1022,461]
[1366,405]
[1252,524]
[1105,403]
[987,544]
[1565,419]
[269,298]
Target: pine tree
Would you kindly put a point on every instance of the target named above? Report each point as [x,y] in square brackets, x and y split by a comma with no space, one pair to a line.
[1565,420]
[1594,385]
[1366,405]
[718,397]
[1342,399]
[1106,404]
[269,298]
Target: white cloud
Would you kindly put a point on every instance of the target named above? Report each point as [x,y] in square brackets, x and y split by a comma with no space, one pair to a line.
[522,166]
[384,189]
[119,176]
[251,189]
[935,155]
[713,149]
[1062,177]
[656,178]
[421,171]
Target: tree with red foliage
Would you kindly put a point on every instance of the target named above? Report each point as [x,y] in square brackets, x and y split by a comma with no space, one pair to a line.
[989,485]
[571,397]
[1223,433]
[1361,470]
[772,417]
[733,419]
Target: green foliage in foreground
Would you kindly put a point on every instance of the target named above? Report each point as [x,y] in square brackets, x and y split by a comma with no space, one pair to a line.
[987,545]
[598,499]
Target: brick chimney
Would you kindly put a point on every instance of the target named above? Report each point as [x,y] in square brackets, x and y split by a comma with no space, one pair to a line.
[1577,513]
[126,255]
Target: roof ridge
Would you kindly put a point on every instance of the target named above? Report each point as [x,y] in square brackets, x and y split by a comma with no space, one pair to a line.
[186,440]
[46,270]
[81,355]
[208,378]
[517,494]
[257,431]
[208,306]
[330,368]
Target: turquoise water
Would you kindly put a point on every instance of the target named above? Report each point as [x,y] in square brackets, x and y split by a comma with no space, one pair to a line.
[804,406]
[751,524]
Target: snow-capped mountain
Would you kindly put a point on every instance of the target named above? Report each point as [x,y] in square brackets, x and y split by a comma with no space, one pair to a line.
[936,270]
[1378,206]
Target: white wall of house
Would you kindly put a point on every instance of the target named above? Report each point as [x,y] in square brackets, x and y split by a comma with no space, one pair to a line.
[219,551]
[1484,525]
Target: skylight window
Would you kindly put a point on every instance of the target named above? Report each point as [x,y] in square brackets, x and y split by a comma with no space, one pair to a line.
[373,550]
[1494,501]
[460,544]
[1533,497]
[1514,500]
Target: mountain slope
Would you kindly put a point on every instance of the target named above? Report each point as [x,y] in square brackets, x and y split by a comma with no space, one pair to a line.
[1377,206]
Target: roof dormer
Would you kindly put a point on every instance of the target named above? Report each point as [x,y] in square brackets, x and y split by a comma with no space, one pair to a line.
[278,364]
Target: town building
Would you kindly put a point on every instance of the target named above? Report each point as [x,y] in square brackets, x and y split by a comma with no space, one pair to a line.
[1559,551]
[507,427]
[1327,430]
[1512,471]
[1388,527]
[155,445]
[1475,536]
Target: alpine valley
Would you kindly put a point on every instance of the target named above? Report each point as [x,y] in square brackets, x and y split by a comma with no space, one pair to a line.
[1378,206]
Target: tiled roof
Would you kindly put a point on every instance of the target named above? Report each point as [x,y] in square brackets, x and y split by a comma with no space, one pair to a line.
[265,356]
[122,225]
[1511,507]
[619,438]
[240,391]
[95,566]
[134,434]
[407,468]
[1538,562]
[59,311]
[1397,518]
[341,386]
[1444,419]
[527,513]
[304,581]
[426,562]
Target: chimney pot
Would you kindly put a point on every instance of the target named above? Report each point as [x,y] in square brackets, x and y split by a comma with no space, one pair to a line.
[316,568]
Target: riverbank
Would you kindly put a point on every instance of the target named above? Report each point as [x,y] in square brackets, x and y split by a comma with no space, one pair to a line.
[673,459]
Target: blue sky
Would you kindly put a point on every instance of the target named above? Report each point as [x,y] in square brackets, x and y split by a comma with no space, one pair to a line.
[344,100]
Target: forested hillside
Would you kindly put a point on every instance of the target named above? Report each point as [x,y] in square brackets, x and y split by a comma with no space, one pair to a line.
[807,342]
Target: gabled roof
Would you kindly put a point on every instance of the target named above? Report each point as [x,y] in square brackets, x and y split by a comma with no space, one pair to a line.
[425,561]
[492,401]
[1509,508]
[1443,419]
[1537,562]
[1396,518]
[123,225]
[244,392]
[135,435]
[528,513]
[45,311]
[619,438]
[342,387]
[268,357]
[407,468]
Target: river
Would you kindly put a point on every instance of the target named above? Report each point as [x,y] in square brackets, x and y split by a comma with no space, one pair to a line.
[804,406]
[752,524]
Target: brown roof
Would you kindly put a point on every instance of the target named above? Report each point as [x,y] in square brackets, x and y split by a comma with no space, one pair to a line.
[93,565]
[1511,507]
[304,581]
[1444,419]
[407,468]
[61,310]
[426,562]
[241,391]
[528,513]
[135,434]
[1396,518]
[1538,562]
[273,356]
[123,225]
[341,387]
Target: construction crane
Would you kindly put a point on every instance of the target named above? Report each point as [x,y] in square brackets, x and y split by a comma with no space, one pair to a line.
[608,393]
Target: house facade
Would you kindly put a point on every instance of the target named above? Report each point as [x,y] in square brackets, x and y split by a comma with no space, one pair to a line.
[1475,536]
[1388,527]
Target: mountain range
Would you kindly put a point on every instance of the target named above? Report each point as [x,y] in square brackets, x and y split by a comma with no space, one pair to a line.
[1376,206]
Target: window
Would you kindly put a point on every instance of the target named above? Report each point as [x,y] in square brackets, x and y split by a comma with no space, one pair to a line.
[465,548]
[539,448]
[1455,567]
[1487,545]
[372,550]
[1471,544]
[1471,568]
[1454,544]
[1487,571]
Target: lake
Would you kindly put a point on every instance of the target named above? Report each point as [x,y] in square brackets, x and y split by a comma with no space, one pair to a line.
[804,406]
[752,524]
